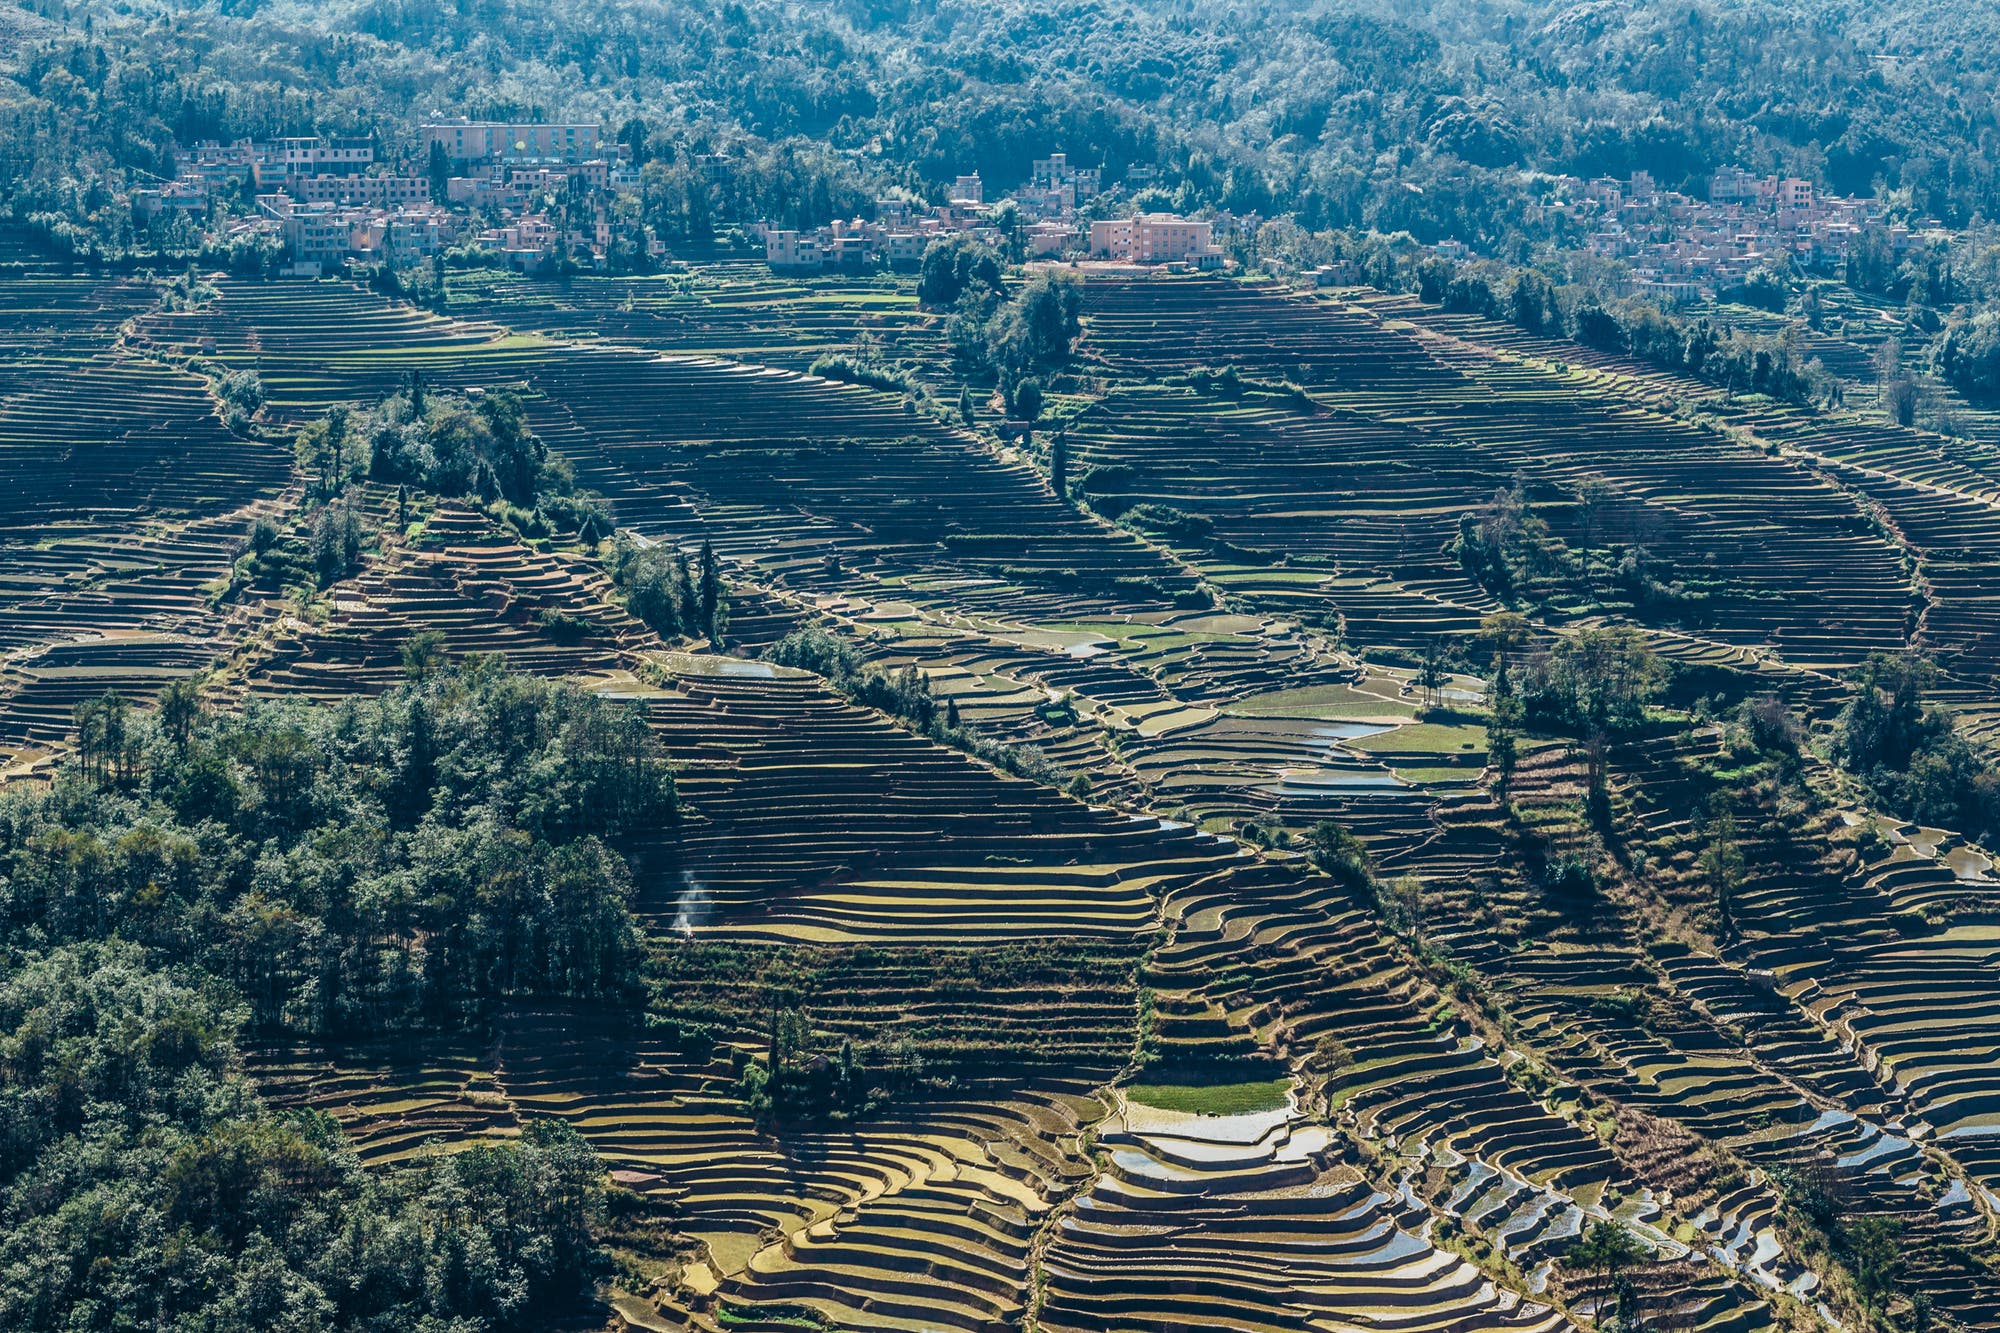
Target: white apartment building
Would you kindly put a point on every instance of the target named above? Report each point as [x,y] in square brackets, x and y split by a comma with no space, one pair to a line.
[382,191]
[488,140]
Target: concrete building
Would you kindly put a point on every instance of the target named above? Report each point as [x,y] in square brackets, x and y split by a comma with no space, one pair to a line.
[1111,238]
[491,140]
[317,234]
[1155,238]
[1048,240]
[186,196]
[277,165]
[968,190]
[1055,172]
[381,191]
[793,251]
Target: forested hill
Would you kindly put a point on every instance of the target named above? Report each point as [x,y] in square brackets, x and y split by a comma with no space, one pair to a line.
[1369,114]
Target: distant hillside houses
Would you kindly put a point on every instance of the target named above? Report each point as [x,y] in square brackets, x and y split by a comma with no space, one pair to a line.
[895,238]
[1038,221]
[1681,248]
[326,204]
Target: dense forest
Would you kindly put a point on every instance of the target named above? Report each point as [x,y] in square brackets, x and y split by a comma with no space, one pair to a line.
[394,865]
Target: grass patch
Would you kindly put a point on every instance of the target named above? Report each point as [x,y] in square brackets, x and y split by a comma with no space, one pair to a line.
[1427,738]
[1321,701]
[1212,1098]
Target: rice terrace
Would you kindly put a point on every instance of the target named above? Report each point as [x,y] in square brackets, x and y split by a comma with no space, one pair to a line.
[729,686]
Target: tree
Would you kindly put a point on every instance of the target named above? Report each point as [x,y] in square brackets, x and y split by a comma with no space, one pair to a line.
[105,743]
[1337,852]
[1401,904]
[424,655]
[1432,675]
[955,266]
[438,170]
[1026,401]
[1874,1246]
[1721,864]
[1059,464]
[179,710]
[1607,1249]
[1503,726]
[711,593]
[335,542]
[1896,387]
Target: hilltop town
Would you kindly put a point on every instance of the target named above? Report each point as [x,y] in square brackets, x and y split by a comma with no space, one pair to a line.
[542,197]
[536,198]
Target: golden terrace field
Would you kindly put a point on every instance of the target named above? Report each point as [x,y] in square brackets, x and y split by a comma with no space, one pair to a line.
[1137,1059]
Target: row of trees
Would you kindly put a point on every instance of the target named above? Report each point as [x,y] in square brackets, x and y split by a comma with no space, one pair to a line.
[906,694]
[1576,308]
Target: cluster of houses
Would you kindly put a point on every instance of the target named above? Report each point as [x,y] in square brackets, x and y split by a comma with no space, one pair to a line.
[325,203]
[536,193]
[1043,220]
[1686,249]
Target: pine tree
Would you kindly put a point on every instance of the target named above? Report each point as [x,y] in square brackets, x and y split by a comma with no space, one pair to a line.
[711,591]
[1504,726]
[1059,463]
[439,171]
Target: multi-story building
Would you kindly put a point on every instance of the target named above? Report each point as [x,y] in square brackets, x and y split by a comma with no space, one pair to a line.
[1055,172]
[317,235]
[1111,238]
[1048,240]
[968,190]
[185,196]
[904,249]
[382,191]
[489,140]
[277,165]
[793,250]
[216,162]
[1155,238]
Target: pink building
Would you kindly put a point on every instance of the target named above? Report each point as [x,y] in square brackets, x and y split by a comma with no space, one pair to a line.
[1155,238]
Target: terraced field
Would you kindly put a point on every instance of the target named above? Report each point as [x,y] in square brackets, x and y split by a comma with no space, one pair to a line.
[1208,649]
[738,311]
[1346,497]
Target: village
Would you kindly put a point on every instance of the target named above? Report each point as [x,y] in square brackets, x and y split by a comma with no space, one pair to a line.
[1682,249]
[536,196]
[1039,221]
[539,197]
[547,186]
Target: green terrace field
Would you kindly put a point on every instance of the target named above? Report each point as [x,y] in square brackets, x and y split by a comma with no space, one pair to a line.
[737,311]
[1098,1026]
